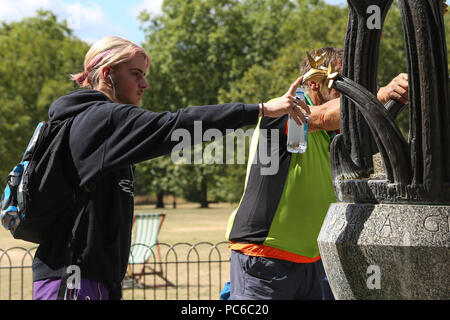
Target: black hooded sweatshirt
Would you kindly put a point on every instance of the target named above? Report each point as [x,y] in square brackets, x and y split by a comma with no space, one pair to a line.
[105,140]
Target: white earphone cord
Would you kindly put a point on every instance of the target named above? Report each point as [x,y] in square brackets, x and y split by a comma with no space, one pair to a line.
[113,85]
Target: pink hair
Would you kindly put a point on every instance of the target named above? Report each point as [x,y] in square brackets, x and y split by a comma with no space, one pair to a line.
[96,60]
[81,78]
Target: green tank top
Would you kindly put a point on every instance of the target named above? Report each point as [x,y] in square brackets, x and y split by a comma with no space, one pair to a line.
[300,207]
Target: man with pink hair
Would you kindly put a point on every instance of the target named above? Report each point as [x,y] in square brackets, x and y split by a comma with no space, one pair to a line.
[108,135]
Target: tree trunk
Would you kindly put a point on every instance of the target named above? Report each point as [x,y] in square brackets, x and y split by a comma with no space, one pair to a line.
[160,199]
[204,193]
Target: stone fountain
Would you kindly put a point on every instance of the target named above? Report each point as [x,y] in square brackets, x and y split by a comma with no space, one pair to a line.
[388,235]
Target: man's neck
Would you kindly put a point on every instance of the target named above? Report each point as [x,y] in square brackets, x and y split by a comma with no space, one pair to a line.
[316,97]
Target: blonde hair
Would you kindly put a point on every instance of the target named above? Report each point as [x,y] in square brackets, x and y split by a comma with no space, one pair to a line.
[108,51]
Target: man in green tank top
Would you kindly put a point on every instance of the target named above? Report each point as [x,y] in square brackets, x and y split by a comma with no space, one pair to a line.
[273,233]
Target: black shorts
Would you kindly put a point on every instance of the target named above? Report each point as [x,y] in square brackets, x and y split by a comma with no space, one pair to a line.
[260,278]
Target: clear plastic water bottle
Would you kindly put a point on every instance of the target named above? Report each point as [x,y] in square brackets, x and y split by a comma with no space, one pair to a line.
[297,134]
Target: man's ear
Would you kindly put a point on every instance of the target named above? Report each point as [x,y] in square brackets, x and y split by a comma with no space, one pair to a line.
[105,72]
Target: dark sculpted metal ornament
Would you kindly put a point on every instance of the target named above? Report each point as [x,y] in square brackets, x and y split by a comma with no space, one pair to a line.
[417,170]
[388,236]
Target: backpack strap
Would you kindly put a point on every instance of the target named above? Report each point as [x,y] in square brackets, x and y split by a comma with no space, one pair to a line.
[64,293]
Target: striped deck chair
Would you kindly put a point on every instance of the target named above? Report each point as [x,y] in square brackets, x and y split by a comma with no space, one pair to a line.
[145,244]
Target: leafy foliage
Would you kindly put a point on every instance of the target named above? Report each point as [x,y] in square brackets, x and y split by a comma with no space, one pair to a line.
[37,56]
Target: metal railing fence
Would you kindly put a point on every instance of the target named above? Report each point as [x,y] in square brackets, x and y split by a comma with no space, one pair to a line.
[181,271]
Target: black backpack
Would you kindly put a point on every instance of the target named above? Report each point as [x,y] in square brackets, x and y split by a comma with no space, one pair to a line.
[42,188]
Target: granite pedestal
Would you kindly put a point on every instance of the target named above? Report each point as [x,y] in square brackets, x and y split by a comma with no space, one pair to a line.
[387,251]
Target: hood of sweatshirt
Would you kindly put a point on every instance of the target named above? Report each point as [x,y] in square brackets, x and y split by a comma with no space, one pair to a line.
[75,103]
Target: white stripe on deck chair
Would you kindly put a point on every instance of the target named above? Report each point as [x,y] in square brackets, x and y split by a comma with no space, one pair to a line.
[147,229]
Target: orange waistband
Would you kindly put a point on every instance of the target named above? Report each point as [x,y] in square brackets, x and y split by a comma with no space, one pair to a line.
[260,250]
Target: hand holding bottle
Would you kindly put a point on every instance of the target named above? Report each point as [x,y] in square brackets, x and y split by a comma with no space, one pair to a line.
[297,134]
[286,104]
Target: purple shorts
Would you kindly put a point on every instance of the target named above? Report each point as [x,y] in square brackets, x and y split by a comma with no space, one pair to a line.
[47,289]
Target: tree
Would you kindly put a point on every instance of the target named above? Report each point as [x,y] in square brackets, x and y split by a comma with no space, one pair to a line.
[158,176]
[37,56]
[195,46]
[301,34]
[208,52]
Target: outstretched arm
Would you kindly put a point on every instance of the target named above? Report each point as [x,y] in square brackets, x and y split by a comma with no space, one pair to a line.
[327,115]
[397,89]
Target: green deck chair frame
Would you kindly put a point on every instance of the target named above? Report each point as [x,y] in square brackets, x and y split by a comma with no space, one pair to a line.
[147,227]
